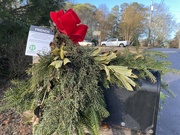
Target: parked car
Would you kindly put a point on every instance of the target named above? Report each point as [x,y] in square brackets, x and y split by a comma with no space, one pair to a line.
[86,43]
[114,42]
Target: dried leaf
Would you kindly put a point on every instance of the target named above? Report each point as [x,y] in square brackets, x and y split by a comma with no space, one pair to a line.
[66,60]
[57,64]
[95,52]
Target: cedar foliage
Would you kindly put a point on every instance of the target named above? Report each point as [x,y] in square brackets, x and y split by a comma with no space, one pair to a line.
[64,90]
[70,97]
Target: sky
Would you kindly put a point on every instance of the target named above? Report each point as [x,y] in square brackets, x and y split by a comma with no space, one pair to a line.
[174,5]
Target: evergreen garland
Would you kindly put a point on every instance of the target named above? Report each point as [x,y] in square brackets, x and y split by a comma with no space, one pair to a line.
[65,100]
[64,91]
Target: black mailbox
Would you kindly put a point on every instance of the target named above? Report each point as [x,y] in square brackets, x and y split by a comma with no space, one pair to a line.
[136,110]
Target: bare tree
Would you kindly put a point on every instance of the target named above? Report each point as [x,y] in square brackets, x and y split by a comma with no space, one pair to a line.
[86,13]
[133,20]
[102,25]
[163,23]
[107,22]
[98,19]
[113,19]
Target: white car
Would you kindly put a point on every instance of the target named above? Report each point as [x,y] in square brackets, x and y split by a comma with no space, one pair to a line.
[114,42]
[86,43]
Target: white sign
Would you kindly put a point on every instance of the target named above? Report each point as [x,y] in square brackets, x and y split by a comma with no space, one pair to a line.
[38,41]
[97,33]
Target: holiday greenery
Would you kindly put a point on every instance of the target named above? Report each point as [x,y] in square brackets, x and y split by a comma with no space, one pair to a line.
[63,94]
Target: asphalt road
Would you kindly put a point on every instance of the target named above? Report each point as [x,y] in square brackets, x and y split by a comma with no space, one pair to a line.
[169,118]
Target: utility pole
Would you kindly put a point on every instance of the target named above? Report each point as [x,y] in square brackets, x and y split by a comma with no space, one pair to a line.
[178,36]
[150,24]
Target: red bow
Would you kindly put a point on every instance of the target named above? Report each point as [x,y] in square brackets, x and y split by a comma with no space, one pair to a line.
[69,24]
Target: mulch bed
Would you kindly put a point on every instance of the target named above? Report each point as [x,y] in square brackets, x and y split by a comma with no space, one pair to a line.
[11,122]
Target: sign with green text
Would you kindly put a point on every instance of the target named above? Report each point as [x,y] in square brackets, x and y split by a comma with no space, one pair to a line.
[38,41]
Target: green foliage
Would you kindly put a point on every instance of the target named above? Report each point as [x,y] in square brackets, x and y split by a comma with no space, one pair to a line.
[39,10]
[75,90]
[12,44]
[144,62]
[14,23]
[64,87]
[121,73]
[70,96]
[18,97]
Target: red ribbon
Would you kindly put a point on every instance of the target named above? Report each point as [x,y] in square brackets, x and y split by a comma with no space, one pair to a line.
[69,24]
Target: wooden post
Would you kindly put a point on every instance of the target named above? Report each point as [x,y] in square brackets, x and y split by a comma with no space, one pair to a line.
[35,59]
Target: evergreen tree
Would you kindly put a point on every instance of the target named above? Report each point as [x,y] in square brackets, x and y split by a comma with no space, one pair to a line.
[15,19]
